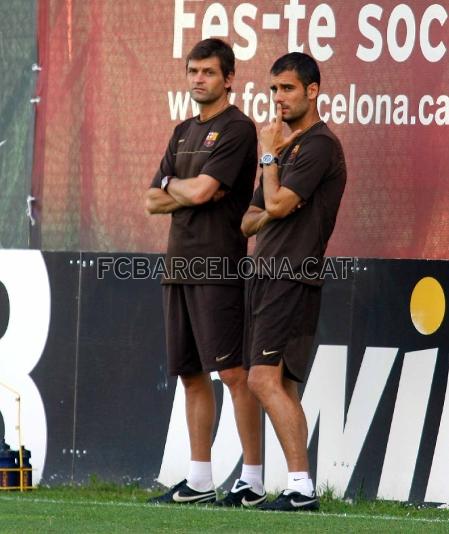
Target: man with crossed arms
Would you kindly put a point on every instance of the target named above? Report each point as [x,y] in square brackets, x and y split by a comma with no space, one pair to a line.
[205,182]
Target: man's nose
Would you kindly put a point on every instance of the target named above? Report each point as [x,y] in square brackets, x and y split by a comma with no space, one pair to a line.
[199,77]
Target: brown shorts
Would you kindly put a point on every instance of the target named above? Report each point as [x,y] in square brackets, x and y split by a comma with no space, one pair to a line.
[282,317]
[204,327]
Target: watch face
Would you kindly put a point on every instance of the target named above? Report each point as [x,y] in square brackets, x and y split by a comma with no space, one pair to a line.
[267,159]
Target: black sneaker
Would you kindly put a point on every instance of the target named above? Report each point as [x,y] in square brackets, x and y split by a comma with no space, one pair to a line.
[292,501]
[182,493]
[241,494]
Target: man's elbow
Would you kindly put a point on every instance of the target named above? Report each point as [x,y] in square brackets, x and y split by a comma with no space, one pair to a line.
[151,204]
[150,207]
[245,228]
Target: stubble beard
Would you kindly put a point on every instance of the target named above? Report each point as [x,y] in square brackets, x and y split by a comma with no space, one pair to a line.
[206,98]
[294,117]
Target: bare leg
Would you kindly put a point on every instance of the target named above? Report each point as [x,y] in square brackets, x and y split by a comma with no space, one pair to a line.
[200,412]
[247,414]
[279,397]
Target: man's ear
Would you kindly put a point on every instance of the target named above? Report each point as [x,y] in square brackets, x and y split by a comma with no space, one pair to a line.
[312,90]
[229,79]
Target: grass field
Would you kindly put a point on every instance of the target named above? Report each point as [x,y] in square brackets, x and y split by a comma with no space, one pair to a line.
[108,509]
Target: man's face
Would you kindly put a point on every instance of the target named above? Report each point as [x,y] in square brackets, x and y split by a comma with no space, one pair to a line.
[206,81]
[295,99]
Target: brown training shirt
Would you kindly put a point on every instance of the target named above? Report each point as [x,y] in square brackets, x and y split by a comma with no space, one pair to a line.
[224,147]
[313,166]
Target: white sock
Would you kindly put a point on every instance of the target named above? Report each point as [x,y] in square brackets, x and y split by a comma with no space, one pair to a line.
[300,481]
[200,476]
[252,474]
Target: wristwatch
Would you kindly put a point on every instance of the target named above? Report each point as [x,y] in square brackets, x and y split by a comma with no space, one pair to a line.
[164,182]
[268,159]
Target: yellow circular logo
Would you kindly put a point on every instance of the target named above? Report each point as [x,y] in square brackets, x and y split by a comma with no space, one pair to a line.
[427,306]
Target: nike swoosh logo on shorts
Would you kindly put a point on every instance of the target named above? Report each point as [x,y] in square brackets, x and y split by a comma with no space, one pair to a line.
[268,352]
[179,498]
[221,358]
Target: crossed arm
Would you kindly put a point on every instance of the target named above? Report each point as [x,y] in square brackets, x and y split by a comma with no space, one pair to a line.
[254,220]
[279,206]
[279,202]
[181,193]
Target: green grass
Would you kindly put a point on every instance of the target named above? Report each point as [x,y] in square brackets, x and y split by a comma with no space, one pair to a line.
[105,508]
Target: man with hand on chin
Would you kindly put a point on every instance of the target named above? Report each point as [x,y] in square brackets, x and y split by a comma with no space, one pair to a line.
[205,181]
[293,213]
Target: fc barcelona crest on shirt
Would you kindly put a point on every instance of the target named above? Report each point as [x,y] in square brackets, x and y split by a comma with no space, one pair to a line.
[294,152]
[210,139]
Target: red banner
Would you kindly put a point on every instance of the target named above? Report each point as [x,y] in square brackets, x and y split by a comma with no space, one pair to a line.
[113,87]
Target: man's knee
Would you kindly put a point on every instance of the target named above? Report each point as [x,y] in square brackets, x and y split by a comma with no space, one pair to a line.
[234,378]
[254,382]
[263,381]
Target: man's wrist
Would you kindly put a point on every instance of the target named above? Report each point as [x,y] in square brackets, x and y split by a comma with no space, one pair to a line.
[164,182]
[267,159]
[270,149]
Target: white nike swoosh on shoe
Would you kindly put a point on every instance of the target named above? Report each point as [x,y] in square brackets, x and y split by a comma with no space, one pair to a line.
[301,503]
[190,498]
[253,503]
[268,352]
[221,358]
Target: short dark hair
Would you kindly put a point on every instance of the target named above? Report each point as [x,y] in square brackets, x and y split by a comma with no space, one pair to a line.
[305,66]
[214,48]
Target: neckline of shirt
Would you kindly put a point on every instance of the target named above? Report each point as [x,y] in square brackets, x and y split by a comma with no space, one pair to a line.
[309,128]
[199,121]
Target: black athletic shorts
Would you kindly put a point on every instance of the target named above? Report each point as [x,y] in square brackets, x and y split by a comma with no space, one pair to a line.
[282,316]
[204,327]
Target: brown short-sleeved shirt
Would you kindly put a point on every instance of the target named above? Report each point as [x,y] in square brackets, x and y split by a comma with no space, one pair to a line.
[224,147]
[313,166]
